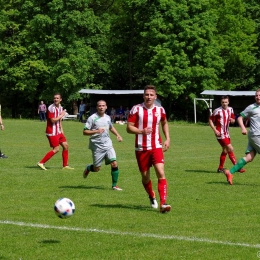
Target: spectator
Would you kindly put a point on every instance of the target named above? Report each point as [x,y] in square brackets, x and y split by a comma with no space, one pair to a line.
[121,113]
[113,114]
[42,111]
[82,109]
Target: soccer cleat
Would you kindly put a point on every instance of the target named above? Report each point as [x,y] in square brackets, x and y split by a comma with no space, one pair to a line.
[67,168]
[2,156]
[86,172]
[153,202]
[229,176]
[116,188]
[41,165]
[165,208]
[242,170]
[220,170]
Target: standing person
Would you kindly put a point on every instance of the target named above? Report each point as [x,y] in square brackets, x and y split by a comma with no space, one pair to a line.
[121,112]
[82,109]
[219,122]
[2,156]
[42,111]
[127,111]
[251,113]
[55,134]
[97,127]
[144,121]
[113,114]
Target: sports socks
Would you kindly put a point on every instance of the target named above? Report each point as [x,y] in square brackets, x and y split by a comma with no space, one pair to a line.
[240,164]
[222,160]
[232,157]
[149,188]
[90,167]
[162,189]
[47,157]
[65,157]
[114,174]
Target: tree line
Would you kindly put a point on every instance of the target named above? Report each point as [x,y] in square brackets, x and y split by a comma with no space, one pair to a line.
[182,47]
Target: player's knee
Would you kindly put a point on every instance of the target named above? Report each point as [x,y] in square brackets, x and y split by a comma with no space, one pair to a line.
[114,164]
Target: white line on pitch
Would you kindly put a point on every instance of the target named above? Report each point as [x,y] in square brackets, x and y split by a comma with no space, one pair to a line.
[169,237]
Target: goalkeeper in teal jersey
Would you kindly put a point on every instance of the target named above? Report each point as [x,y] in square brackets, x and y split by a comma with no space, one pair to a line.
[252,112]
[97,127]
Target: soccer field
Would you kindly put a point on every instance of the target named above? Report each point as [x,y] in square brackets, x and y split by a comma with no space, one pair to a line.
[209,218]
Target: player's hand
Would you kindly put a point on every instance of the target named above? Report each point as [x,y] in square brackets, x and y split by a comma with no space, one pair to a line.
[244,131]
[147,131]
[166,146]
[217,133]
[100,130]
[119,138]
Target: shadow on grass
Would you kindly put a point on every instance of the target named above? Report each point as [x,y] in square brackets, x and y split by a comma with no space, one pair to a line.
[200,171]
[83,187]
[121,206]
[49,241]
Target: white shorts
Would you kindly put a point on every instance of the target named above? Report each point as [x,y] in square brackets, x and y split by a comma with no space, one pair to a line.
[99,155]
[253,143]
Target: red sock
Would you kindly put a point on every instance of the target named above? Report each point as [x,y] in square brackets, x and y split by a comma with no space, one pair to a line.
[232,157]
[149,188]
[162,189]
[47,157]
[222,160]
[65,157]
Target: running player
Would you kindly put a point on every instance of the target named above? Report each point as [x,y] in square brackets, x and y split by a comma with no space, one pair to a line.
[97,127]
[144,121]
[252,112]
[219,122]
[55,134]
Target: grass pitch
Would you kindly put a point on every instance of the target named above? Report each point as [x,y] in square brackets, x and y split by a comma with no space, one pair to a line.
[209,219]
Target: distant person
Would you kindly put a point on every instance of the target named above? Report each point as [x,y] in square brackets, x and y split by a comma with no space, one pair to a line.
[144,121]
[121,113]
[82,110]
[251,113]
[97,127]
[42,111]
[2,156]
[127,111]
[219,122]
[113,114]
[55,134]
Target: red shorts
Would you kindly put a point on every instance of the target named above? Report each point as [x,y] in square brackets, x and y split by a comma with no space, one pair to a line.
[146,159]
[56,140]
[224,142]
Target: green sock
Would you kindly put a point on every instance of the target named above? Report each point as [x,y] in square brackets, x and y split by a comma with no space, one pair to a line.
[238,166]
[114,174]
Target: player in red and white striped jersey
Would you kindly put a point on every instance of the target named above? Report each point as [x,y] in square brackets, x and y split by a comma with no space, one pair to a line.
[219,122]
[144,121]
[54,133]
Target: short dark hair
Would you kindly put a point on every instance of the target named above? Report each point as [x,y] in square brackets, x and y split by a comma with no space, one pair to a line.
[225,97]
[57,94]
[150,87]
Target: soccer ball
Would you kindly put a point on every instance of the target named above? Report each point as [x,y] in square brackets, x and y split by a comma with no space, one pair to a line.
[64,208]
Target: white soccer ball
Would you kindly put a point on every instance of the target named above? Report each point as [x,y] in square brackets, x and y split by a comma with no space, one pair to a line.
[64,208]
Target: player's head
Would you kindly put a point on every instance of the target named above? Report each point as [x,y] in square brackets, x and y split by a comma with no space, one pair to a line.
[257,96]
[224,101]
[149,95]
[101,106]
[57,98]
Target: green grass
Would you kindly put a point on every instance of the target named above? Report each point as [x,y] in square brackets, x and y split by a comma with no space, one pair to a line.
[209,219]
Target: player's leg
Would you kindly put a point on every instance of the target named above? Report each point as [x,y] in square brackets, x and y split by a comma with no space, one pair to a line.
[54,143]
[110,158]
[223,155]
[158,162]
[144,164]
[65,152]
[97,158]
[230,150]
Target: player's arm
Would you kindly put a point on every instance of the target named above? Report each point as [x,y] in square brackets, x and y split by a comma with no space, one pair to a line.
[56,119]
[1,123]
[165,129]
[118,136]
[240,122]
[87,131]
[211,124]
[132,129]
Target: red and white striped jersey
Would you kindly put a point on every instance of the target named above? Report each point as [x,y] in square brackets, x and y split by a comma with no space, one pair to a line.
[143,117]
[221,119]
[53,129]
